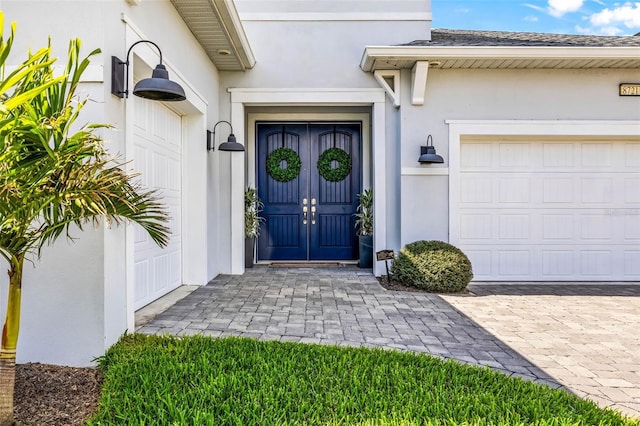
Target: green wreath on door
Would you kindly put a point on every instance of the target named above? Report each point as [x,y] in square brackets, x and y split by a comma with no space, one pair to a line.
[292,164]
[325,161]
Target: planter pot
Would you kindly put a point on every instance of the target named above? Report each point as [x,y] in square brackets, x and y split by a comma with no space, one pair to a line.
[366,251]
[249,244]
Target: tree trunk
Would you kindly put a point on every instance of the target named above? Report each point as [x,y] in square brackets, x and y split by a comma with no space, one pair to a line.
[9,343]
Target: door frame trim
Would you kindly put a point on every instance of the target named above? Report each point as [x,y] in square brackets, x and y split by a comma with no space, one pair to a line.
[292,97]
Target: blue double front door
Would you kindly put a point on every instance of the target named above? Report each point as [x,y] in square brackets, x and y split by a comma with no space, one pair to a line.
[308,180]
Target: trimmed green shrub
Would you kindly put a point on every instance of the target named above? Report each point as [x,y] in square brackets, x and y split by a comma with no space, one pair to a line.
[434,266]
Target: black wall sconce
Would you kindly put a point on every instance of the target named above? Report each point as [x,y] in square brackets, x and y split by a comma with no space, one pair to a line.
[428,153]
[157,88]
[229,145]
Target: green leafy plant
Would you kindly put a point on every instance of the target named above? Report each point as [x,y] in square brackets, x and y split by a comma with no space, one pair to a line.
[252,208]
[196,380]
[292,164]
[434,266]
[53,175]
[325,161]
[364,213]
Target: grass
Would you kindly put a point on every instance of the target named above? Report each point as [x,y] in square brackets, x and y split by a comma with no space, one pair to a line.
[153,380]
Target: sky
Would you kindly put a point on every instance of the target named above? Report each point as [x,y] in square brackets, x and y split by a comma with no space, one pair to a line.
[600,17]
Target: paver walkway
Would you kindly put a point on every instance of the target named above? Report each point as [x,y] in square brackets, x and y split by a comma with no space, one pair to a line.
[583,338]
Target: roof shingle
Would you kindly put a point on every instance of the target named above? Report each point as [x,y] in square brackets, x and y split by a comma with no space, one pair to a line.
[444,37]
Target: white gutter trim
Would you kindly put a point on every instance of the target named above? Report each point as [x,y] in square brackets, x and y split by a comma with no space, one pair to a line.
[425,53]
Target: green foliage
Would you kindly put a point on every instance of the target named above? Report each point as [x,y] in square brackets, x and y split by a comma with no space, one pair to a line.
[155,380]
[252,208]
[338,155]
[52,174]
[434,266]
[292,164]
[364,213]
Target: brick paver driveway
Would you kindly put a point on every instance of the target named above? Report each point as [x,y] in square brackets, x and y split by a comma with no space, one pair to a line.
[584,338]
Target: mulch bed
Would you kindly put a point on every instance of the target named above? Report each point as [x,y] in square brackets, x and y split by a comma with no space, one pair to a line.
[398,286]
[55,395]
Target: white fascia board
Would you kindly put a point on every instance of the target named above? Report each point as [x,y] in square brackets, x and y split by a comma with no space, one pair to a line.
[470,128]
[426,53]
[307,96]
[336,16]
[229,17]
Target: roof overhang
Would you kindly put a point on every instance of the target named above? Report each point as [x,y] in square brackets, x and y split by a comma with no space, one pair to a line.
[500,57]
[217,27]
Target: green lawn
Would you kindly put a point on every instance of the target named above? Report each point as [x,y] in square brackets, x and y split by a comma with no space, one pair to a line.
[196,380]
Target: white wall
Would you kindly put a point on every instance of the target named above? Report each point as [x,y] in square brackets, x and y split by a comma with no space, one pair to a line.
[492,95]
[78,301]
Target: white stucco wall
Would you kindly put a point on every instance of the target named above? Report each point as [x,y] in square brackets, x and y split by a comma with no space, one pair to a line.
[492,95]
[77,300]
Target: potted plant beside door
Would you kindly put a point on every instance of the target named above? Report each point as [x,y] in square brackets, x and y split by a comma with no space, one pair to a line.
[364,224]
[252,219]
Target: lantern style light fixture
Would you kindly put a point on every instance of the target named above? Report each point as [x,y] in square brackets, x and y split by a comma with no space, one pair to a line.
[230,145]
[157,88]
[428,153]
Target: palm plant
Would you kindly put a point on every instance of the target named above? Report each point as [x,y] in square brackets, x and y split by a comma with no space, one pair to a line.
[364,213]
[252,208]
[52,178]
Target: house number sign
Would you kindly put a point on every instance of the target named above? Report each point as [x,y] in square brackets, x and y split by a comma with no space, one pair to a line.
[630,89]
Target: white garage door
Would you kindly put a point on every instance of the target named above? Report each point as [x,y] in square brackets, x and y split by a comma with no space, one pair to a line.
[157,156]
[563,210]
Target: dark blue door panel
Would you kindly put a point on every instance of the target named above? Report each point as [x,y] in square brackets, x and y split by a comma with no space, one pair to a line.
[283,235]
[327,230]
[333,237]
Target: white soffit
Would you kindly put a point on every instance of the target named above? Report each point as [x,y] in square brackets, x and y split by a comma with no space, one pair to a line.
[217,27]
[499,57]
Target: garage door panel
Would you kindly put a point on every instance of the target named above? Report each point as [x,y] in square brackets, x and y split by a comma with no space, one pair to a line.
[632,156]
[481,261]
[514,263]
[514,156]
[596,190]
[558,226]
[632,190]
[596,155]
[476,189]
[558,155]
[571,211]
[558,189]
[631,226]
[596,263]
[557,264]
[476,227]
[514,226]
[632,263]
[514,190]
[476,156]
[157,157]
[596,227]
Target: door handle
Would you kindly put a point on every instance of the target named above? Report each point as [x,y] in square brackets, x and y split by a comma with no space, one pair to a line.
[304,215]
[313,201]
[313,215]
